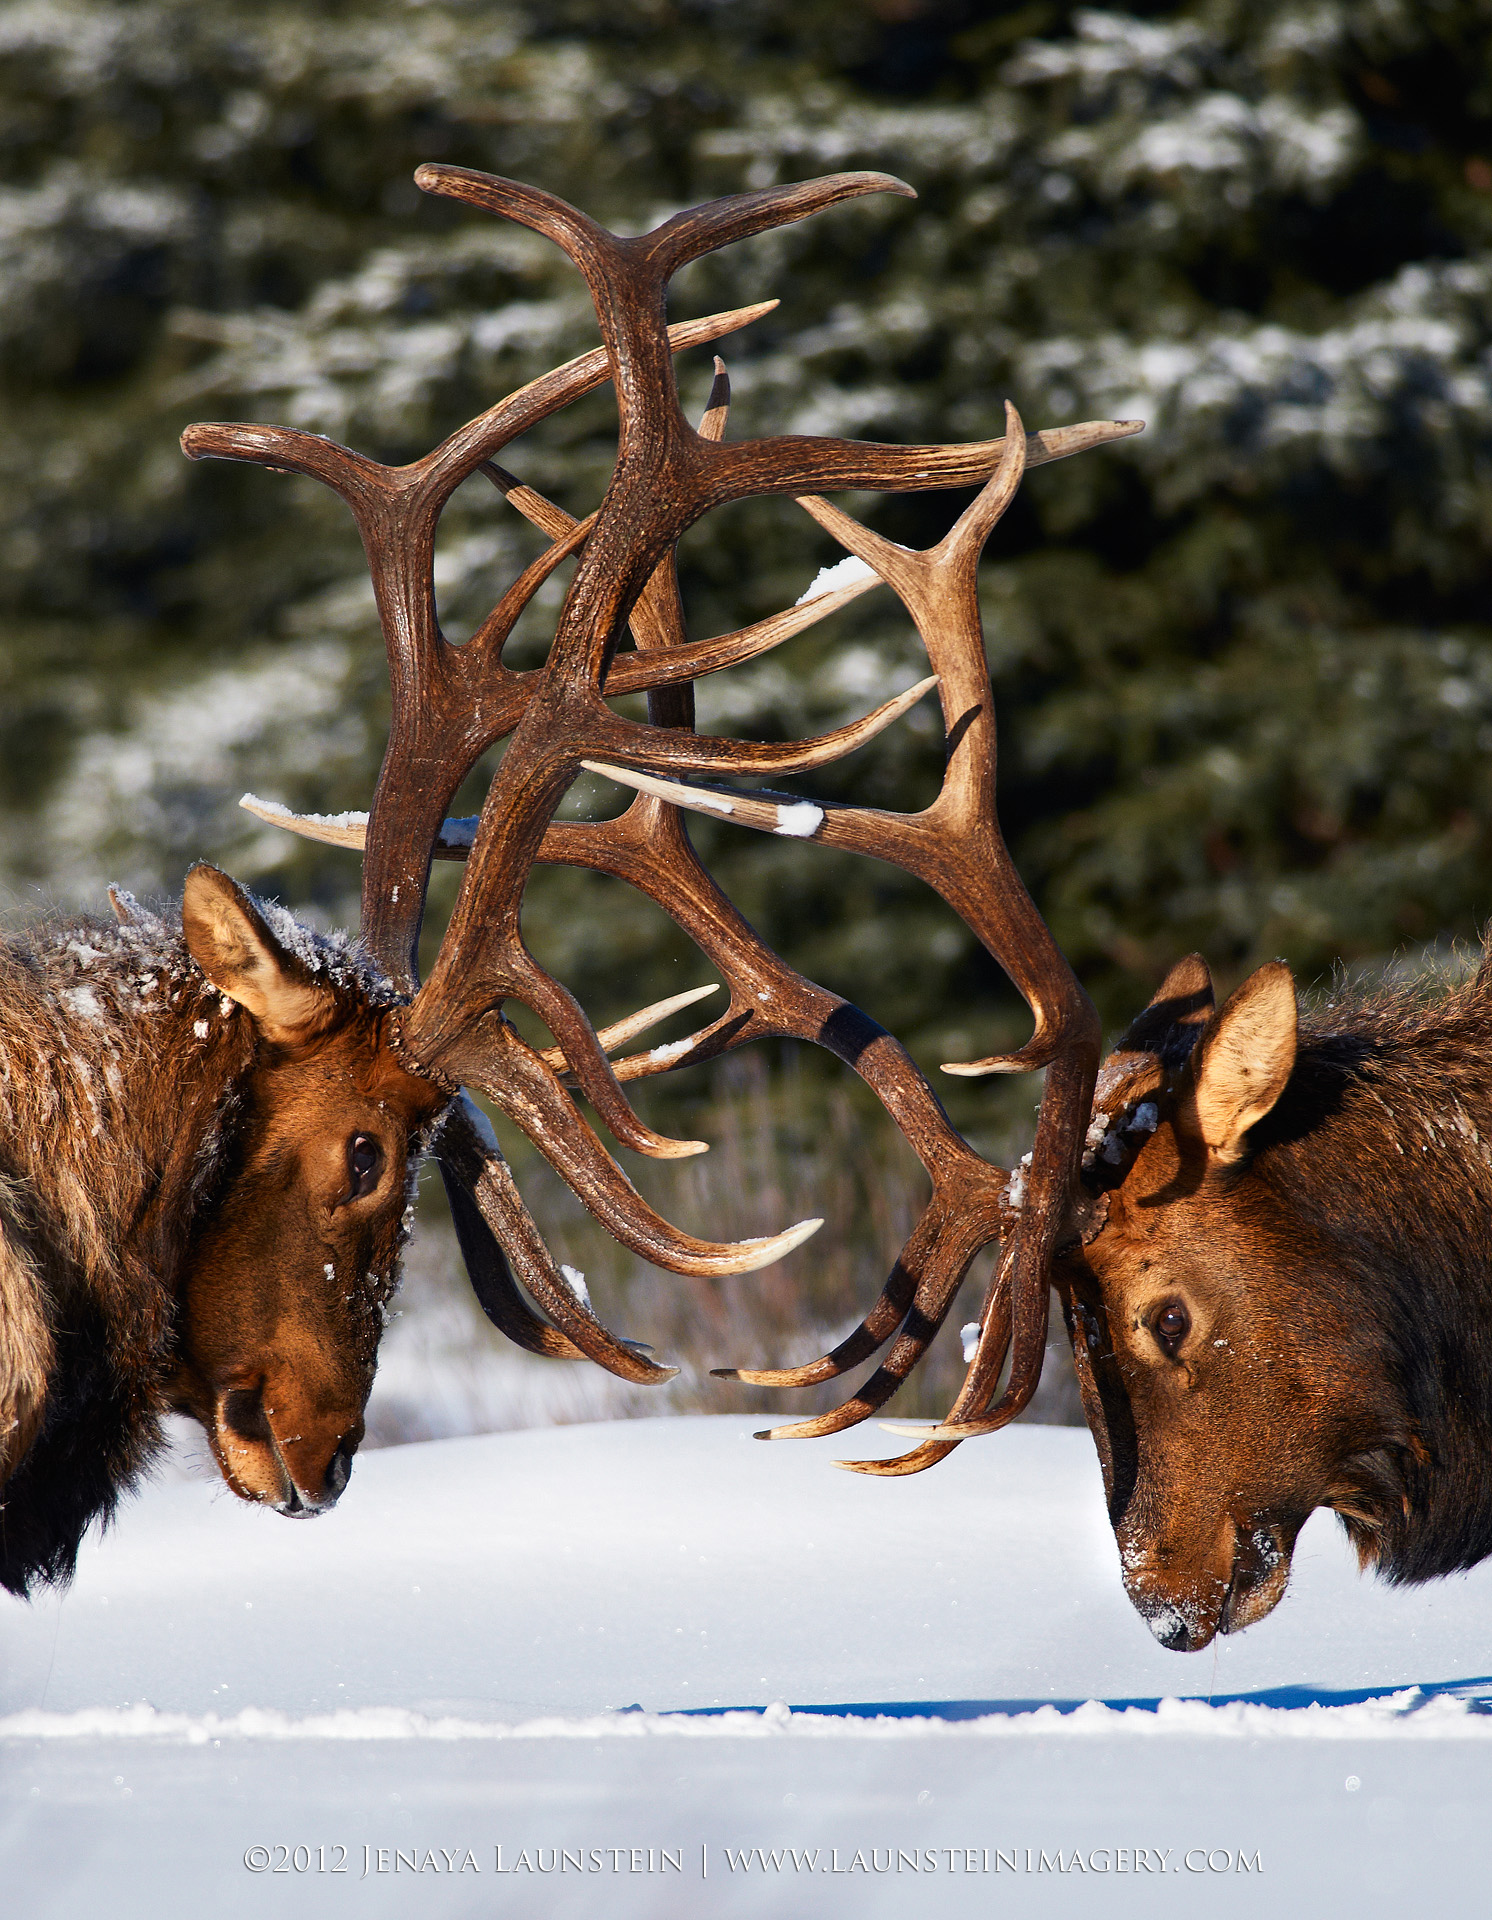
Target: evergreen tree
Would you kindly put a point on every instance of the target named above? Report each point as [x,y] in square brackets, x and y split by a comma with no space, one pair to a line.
[1243,662]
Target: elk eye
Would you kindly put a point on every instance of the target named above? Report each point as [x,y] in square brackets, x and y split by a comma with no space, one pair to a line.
[1172,1324]
[364,1164]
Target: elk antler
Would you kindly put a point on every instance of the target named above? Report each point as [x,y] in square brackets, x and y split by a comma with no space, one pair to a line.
[955,845]
[450,704]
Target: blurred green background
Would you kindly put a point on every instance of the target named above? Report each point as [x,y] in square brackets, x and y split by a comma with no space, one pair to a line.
[1242,662]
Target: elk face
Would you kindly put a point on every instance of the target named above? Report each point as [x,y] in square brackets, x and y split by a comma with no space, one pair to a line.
[282,1303]
[1198,1318]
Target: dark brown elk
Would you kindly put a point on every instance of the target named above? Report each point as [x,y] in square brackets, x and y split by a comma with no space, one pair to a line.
[223,1241]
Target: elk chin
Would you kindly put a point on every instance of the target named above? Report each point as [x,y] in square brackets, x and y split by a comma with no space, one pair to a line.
[1184,1615]
[1261,1572]
[1181,1594]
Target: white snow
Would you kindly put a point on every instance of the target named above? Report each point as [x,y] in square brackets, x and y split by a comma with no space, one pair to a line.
[844,573]
[659,1635]
[671,1049]
[800,820]
[575,1281]
[345,821]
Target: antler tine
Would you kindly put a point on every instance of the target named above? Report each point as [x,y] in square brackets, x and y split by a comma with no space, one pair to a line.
[796,465]
[492,636]
[621,1031]
[472,1158]
[877,1327]
[1015,1316]
[686,236]
[950,1248]
[717,407]
[639,673]
[527,1091]
[562,1013]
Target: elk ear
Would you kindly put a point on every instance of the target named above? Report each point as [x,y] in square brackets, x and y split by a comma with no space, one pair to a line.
[1245,1059]
[228,939]
[1182,1006]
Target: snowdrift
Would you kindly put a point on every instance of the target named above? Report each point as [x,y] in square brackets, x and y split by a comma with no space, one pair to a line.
[666,1670]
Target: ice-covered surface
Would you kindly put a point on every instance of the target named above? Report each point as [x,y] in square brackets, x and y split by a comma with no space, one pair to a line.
[532,1640]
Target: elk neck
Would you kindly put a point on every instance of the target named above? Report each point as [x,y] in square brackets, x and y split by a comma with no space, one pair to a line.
[118,1072]
[1381,1150]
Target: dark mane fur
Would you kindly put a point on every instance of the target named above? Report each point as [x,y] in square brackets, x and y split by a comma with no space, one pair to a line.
[1382,1144]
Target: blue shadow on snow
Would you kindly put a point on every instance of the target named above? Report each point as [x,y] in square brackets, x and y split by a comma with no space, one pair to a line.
[1476,1692]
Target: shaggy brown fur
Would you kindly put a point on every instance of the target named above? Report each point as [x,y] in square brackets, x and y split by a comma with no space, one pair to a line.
[1382,1141]
[126,1080]
[108,1156]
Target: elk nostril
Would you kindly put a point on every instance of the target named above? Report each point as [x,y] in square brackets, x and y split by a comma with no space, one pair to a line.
[338,1472]
[1169,1627]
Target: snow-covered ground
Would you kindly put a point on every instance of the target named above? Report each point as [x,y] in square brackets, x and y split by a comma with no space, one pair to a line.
[628,1654]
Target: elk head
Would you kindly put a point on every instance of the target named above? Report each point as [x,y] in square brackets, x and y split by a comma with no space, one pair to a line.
[287,1278]
[1226,1379]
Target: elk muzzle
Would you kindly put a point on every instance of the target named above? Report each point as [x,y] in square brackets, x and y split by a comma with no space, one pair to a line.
[1185,1602]
[275,1449]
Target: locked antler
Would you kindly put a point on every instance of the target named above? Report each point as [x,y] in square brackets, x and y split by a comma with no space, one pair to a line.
[450,704]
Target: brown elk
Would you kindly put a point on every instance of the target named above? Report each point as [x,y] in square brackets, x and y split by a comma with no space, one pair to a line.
[207,1178]
[206,1154]
[1273,1263]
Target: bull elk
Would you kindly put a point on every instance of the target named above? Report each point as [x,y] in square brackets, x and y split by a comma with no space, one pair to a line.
[1272,1261]
[211,1125]
[204,1170]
